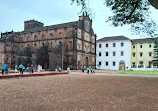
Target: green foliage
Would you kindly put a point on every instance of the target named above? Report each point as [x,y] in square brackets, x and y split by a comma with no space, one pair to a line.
[155,57]
[140,72]
[24,56]
[42,56]
[128,12]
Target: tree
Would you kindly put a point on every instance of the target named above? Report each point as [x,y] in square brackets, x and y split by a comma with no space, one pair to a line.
[133,12]
[24,56]
[42,56]
[155,57]
[56,57]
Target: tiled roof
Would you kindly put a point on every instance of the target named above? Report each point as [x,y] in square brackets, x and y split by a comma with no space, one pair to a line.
[114,38]
[143,40]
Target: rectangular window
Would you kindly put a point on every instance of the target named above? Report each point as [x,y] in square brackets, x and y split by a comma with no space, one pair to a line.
[141,46]
[99,53]
[141,62]
[122,44]
[141,54]
[107,54]
[133,54]
[113,63]
[106,45]
[99,45]
[133,63]
[122,53]
[114,53]
[100,63]
[114,44]
[150,54]
[150,63]
[106,63]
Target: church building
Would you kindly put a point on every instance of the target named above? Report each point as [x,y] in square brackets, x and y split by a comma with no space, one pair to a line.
[70,44]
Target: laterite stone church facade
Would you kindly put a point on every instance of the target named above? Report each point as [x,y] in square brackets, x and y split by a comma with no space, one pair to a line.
[78,37]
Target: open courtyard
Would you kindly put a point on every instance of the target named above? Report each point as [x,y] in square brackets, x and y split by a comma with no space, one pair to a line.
[79,92]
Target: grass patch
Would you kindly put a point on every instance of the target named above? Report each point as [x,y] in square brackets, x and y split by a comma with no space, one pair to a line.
[139,72]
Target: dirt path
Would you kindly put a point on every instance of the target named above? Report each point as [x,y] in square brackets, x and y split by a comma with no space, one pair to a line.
[78,92]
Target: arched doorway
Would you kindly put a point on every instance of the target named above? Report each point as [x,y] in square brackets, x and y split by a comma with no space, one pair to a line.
[121,65]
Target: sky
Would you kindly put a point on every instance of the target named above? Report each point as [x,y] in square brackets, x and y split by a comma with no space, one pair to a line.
[51,12]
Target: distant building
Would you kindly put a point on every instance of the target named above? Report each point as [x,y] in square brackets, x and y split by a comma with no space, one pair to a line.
[78,38]
[113,53]
[142,52]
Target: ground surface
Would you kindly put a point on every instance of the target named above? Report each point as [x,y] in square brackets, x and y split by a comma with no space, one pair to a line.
[79,92]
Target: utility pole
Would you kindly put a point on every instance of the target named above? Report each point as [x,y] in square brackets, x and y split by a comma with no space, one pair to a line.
[63,52]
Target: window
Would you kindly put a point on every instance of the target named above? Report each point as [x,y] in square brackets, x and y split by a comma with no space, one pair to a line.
[141,54]
[28,45]
[35,44]
[114,44]
[133,63]
[133,46]
[60,33]
[113,63]
[100,63]
[99,45]
[141,62]
[43,44]
[43,35]
[70,45]
[79,46]
[141,46]
[51,34]
[122,44]
[35,37]
[150,46]
[114,53]
[133,54]
[122,53]
[99,53]
[106,63]
[106,45]
[107,54]
[150,63]
[150,53]
[27,37]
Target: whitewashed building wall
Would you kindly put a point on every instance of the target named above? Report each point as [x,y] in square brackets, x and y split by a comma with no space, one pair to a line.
[126,48]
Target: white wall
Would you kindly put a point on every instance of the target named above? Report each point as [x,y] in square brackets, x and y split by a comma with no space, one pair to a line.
[110,58]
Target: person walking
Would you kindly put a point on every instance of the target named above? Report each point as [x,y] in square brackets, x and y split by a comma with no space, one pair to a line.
[32,68]
[82,69]
[91,70]
[59,69]
[16,68]
[21,68]
[2,69]
[6,68]
[87,70]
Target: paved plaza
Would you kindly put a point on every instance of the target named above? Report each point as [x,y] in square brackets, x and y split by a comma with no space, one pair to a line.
[80,92]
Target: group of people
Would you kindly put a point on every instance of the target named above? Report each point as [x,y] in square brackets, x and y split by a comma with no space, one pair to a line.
[89,70]
[21,68]
[5,69]
[29,69]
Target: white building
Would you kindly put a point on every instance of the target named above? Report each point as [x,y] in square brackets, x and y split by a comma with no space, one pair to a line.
[113,53]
